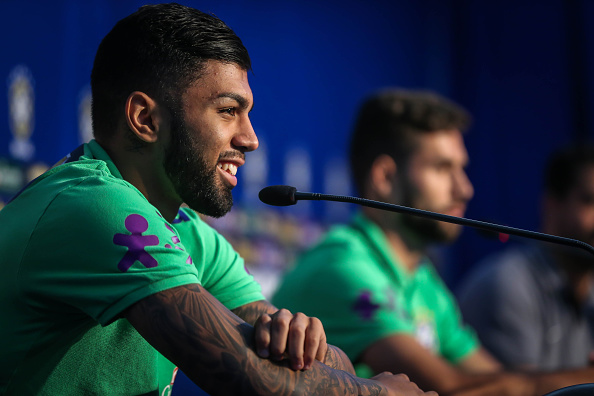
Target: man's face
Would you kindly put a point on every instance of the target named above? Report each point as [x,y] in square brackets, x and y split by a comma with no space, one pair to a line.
[575,213]
[210,137]
[435,179]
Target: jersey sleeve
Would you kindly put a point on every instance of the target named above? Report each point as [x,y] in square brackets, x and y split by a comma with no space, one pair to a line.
[220,268]
[351,299]
[100,247]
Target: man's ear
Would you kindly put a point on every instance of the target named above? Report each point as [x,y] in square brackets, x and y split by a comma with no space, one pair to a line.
[382,176]
[143,116]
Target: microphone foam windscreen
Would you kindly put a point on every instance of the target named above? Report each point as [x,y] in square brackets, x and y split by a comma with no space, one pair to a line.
[278,195]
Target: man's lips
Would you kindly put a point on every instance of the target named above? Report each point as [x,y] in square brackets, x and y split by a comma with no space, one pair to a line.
[228,168]
[456,211]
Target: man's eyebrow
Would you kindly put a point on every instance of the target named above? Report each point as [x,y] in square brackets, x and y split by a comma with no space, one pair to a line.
[243,102]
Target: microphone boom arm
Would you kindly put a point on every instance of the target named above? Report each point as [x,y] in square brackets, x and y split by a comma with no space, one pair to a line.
[449,219]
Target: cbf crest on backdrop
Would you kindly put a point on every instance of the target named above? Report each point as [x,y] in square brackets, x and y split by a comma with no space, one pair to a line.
[522,68]
[21,98]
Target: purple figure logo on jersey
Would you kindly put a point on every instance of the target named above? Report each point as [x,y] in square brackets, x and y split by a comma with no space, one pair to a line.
[136,242]
[363,305]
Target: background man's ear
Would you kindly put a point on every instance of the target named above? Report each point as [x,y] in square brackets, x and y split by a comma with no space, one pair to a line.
[143,116]
[382,176]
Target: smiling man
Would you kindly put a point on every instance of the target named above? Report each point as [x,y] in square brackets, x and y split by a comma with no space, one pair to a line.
[371,282]
[102,267]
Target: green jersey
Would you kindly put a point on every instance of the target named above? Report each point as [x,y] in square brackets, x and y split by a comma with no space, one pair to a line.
[78,246]
[361,292]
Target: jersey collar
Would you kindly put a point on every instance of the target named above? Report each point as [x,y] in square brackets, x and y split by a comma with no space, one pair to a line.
[380,244]
[93,150]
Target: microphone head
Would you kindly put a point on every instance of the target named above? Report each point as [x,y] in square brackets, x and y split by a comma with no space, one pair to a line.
[278,195]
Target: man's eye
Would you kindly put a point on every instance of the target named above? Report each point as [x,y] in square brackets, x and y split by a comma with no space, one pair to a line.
[443,167]
[587,199]
[228,110]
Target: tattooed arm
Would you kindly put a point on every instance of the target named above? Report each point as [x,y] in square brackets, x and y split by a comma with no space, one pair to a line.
[215,348]
[253,311]
[300,337]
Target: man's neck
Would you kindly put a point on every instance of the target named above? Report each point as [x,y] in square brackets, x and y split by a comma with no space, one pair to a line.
[409,257]
[579,273]
[138,169]
[403,243]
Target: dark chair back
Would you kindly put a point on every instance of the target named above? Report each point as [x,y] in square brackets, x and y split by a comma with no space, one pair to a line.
[574,390]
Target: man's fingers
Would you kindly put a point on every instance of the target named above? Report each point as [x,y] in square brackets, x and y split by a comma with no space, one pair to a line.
[279,331]
[315,343]
[297,340]
[262,330]
[402,376]
[298,336]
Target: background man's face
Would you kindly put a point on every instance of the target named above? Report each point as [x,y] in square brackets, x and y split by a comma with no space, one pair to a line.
[209,139]
[575,213]
[435,179]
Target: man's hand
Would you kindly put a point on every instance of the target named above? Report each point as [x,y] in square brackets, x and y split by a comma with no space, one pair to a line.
[300,338]
[400,385]
[215,349]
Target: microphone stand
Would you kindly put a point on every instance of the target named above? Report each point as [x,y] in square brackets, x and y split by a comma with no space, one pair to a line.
[447,218]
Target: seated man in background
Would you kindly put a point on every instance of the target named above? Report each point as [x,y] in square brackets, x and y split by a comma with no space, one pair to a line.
[371,282]
[541,296]
[101,267]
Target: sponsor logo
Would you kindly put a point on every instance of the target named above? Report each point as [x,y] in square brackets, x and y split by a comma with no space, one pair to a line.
[136,242]
[364,307]
[175,240]
[426,336]
[167,390]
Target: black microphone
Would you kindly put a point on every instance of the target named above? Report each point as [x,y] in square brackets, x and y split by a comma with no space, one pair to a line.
[287,195]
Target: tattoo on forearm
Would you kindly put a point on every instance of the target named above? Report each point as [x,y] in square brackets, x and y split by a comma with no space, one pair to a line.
[337,359]
[218,351]
[251,312]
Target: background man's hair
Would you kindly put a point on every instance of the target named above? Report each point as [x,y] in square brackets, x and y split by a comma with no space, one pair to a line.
[159,50]
[564,169]
[389,121]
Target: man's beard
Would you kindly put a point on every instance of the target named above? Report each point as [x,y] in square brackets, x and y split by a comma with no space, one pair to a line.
[193,178]
[428,230]
[578,257]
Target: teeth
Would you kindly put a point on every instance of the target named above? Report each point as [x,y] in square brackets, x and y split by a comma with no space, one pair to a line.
[230,168]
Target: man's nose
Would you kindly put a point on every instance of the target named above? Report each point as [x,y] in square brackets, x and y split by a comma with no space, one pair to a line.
[246,139]
[463,188]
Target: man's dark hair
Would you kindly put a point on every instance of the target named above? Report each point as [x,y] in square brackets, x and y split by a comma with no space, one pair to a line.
[564,169]
[389,121]
[159,50]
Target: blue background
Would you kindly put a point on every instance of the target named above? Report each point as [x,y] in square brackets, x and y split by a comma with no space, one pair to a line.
[522,67]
